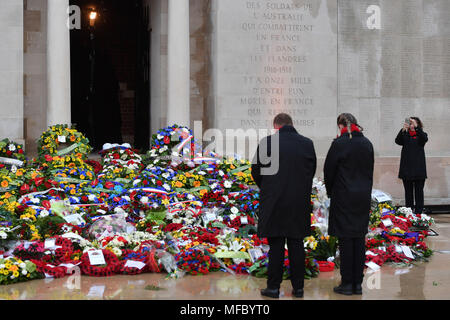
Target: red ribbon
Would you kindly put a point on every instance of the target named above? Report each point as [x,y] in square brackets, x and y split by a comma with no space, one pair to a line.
[352,128]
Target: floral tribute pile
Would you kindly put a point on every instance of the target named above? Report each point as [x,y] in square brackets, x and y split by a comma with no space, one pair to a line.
[397,236]
[173,210]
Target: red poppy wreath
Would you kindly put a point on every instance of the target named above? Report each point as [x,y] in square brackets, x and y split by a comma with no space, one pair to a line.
[101,270]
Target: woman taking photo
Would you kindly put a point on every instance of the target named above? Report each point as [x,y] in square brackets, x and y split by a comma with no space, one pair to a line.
[413,170]
[348,173]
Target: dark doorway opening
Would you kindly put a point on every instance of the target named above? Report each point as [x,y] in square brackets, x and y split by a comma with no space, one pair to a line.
[110,66]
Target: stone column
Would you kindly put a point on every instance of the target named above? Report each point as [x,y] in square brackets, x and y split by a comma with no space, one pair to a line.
[11,70]
[58,63]
[178,90]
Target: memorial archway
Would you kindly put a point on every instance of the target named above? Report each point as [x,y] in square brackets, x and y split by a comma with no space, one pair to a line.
[110,72]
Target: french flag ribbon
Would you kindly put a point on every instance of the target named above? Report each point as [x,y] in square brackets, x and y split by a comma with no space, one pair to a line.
[150,190]
[185,141]
[27,196]
[180,202]
[87,205]
[205,159]
[195,212]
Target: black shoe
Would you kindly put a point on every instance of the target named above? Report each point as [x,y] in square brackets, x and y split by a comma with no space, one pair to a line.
[297,293]
[344,289]
[357,289]
[271,293]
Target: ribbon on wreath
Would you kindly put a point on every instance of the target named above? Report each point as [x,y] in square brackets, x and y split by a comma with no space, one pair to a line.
[109,269]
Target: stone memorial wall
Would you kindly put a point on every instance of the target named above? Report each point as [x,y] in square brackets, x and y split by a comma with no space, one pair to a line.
[381,60]
[275,56]
[393,70]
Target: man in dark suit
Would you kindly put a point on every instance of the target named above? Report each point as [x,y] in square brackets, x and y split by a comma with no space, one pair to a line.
[348,173]
[285,201]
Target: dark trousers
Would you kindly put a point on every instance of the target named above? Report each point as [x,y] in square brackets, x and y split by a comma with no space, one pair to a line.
[414,191]
[353,255]
[296,254]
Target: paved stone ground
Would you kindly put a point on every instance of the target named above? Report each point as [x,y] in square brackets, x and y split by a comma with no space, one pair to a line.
[426,280]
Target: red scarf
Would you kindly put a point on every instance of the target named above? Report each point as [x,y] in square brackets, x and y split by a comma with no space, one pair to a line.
[413,134]
[352,128]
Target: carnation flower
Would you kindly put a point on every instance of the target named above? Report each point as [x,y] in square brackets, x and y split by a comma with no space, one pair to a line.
[44,213]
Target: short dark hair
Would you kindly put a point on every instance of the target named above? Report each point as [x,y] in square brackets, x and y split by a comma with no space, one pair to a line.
[419,123]
[283,119]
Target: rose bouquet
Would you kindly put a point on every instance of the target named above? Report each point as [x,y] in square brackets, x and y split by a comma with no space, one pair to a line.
[108,226]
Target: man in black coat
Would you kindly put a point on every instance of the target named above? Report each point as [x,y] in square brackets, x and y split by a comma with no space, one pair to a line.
[285,201]
[348,173]
[413,167]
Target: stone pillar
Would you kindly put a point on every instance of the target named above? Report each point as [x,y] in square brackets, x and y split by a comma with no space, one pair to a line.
[58,63]
[11,70]
[178,90]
